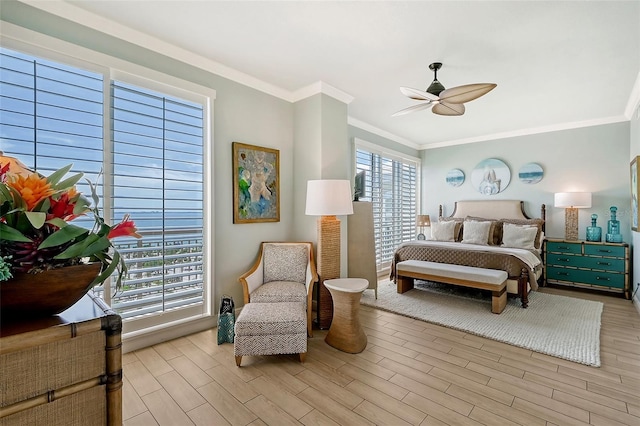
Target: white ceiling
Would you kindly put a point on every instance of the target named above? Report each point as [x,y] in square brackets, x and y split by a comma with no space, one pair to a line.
[557,64]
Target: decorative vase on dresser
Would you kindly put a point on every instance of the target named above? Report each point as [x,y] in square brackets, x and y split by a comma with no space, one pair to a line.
[64,369]
[587,264]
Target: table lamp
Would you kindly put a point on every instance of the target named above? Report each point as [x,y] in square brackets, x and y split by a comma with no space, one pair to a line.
[571,202]
[423,221]
[328,198]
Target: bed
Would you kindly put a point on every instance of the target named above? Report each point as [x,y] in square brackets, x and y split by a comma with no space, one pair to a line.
[507,220]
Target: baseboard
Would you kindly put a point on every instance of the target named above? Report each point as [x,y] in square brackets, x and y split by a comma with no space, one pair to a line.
[133,342]
[636,302]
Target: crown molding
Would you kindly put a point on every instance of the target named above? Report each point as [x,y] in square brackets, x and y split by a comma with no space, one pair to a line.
[324,88]
[383,133]
[530,131]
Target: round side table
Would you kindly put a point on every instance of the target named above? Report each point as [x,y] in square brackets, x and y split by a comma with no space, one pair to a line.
[346,333]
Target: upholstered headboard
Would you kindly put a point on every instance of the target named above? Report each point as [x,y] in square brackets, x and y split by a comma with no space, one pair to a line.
[492,209]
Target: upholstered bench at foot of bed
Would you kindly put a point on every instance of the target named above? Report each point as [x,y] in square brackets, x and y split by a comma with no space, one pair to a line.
[271,329]
[467,276]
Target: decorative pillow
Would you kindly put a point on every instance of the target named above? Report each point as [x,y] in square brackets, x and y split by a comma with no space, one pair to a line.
[285,262]
[494,232]
[519,236]
[474,232]
[457,232]
[536,222]
[443,231]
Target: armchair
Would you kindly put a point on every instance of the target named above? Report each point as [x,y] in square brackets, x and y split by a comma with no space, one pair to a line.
[283,272]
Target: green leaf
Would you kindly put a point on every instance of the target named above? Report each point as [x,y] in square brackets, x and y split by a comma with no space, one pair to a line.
[101,244]
[82,206]
[108,271]
[18,201]
[75,250]
[10,234]
[94,192]
[62,236]
[43,206]
[36,218]
[58,174]
[5,193]
[56,221]
[69,182]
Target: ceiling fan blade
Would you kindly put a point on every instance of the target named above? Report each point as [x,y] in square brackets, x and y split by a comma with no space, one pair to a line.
[466,93]
[444,108]
[413,108]
[417,94]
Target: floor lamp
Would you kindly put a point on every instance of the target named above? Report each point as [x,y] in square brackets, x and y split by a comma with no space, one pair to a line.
[571,202]
[328,198]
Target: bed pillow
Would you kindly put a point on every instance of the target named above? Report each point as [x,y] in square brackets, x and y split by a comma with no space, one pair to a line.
[474,232]
[495,231]
[443,230]
[538,223]
[457,232]
[519,236]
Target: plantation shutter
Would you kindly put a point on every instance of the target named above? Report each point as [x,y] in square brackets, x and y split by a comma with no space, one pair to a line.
[391,184]
[151,167]
[158,178]
[51,115]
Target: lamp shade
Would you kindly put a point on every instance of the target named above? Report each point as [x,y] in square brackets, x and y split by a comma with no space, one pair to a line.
[328,197]
[577,200]
[423,220]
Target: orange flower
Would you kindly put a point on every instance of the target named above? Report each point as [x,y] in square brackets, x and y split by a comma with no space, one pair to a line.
[32,188]
[124,228]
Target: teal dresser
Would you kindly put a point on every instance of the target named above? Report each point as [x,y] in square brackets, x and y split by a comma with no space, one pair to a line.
[601,266]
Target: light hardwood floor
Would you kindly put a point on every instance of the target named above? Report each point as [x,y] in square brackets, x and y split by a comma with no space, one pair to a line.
[411,373]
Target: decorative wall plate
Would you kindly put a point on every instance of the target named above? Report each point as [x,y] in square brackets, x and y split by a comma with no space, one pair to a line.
[531,173]
[490,176]
[455,177]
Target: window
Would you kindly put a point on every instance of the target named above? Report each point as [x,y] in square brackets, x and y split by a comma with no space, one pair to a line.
[391,184]
[149,142]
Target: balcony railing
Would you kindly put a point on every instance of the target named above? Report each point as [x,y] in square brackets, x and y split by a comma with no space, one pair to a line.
[165,272]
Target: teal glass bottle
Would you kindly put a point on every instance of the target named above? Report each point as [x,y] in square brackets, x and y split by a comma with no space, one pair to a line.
[613,227]
[594,233]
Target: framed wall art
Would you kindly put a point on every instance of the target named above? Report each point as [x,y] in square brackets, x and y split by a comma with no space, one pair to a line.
[455,177]
[635,190]
[531,173]
[256,184]
[490,176]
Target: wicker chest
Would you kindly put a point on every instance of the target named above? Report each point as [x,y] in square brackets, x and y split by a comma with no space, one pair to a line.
[62,370]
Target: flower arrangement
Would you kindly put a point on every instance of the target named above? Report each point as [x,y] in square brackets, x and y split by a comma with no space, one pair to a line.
[36,233]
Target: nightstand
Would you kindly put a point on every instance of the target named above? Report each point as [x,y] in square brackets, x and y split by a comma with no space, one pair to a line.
[600,266]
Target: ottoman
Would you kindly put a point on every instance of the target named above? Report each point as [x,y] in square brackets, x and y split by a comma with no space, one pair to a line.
[270,329]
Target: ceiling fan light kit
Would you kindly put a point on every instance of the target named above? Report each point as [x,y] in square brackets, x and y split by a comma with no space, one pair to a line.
[443,101]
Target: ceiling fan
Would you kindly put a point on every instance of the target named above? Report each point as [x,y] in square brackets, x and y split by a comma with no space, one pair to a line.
[443,101]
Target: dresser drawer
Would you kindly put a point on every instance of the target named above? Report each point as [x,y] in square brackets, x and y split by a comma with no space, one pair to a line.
[604,279]
[563,247]
[598,250]
[599,263]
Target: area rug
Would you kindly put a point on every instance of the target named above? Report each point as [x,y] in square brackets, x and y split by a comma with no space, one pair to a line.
[564,327]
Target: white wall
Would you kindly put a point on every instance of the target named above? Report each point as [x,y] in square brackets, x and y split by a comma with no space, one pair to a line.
[592,159]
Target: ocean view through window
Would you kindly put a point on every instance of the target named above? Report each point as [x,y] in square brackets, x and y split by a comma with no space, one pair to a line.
[145,147]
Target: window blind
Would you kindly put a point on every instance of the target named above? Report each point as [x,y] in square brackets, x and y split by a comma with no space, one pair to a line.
[391,186]
[158,178]
[152,167]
